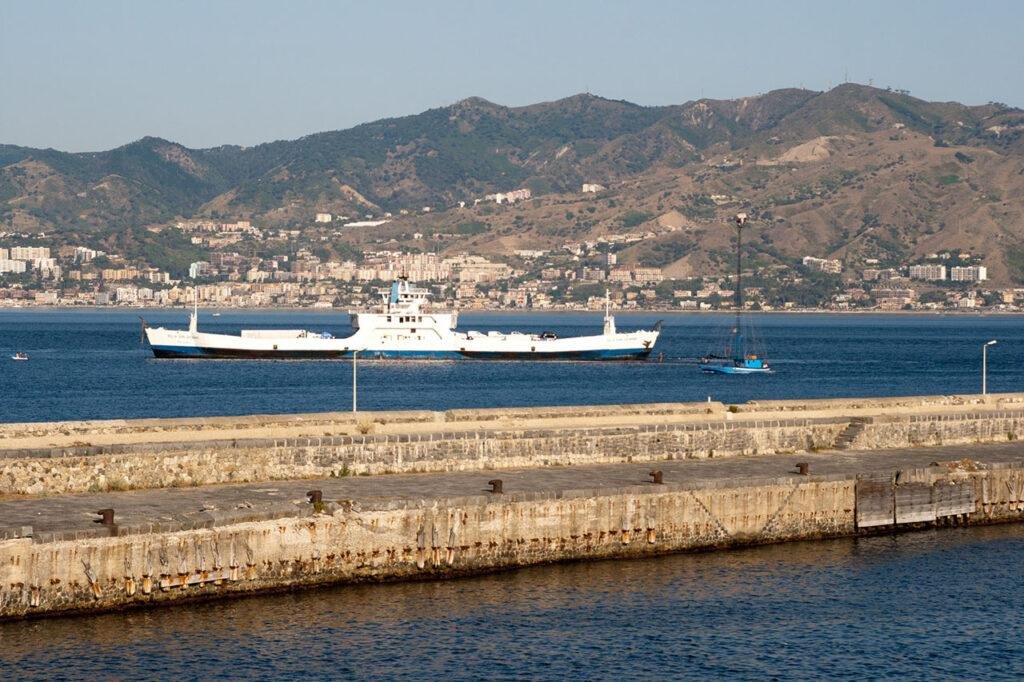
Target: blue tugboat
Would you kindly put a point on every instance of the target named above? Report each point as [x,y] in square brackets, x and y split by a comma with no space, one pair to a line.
[738,356]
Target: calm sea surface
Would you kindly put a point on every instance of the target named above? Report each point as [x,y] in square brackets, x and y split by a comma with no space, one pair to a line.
[928,605]
[88,364]
[925,606]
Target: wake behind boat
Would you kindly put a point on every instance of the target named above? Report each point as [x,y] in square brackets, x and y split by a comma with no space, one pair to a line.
[403,328]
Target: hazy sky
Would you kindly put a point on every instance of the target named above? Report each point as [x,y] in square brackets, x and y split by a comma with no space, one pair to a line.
[84,76]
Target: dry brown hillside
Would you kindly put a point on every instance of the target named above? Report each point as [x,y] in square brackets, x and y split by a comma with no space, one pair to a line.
[891,195]
[853,173]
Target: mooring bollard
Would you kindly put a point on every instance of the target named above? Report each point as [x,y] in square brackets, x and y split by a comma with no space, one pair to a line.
[656,477]
[803,468]
[495,485]
[108,517]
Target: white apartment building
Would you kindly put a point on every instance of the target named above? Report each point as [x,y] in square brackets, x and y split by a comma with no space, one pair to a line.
[967,302]
[968,273]
[930,273]
[47,267]
[199,268]
[647,275]
[13,266]
[126,294]
[84,254]
[624,275]
[466,268]
[158,276]
[636,275]
[29,252]
[510,197]
[829,265]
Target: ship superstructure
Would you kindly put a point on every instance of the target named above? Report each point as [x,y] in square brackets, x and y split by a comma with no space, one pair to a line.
[404,326]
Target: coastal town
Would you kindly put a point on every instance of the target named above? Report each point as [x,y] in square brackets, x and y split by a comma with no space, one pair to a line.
[39,271]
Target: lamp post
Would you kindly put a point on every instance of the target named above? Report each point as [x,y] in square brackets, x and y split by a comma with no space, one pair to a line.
[984,366]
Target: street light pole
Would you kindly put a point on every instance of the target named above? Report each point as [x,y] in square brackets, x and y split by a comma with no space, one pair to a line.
[984,366]
[355,353]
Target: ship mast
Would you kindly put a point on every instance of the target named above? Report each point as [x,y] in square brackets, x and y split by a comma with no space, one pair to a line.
[193,323]
[609,321]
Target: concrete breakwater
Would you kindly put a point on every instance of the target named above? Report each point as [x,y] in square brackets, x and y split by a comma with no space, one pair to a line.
[124,455]
[220,552]
[157,465]
[104,515]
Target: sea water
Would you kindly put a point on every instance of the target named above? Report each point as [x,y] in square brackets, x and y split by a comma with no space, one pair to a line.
[927,605]
[88,364]
[940,604]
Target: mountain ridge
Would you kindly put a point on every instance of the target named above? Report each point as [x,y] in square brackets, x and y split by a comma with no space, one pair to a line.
[473,147]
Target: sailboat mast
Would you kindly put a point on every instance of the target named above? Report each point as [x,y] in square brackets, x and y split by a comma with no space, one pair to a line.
[739,272]
[737,351]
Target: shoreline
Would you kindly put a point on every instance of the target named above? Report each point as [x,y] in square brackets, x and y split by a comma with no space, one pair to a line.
[526,311]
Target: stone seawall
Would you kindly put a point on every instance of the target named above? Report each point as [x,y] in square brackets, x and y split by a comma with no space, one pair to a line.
[211,554]
[158,465]
[191,463]
[346,422]
[891,404]
[940,429]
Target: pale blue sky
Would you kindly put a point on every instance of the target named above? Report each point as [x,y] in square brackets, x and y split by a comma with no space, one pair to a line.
[93,75]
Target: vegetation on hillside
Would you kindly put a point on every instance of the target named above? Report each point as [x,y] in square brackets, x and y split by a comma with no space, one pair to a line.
[877,187]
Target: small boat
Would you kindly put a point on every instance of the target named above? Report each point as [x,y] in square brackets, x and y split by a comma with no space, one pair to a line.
[738,356]
[747,364]
[19,356]
[216,315]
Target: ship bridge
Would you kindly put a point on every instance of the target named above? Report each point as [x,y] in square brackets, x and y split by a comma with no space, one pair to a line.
[404,297]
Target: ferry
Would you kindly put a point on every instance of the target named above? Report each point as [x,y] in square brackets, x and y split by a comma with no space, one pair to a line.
[402,327]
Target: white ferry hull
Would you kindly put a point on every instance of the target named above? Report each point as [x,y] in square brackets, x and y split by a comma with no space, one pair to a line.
[182,344]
